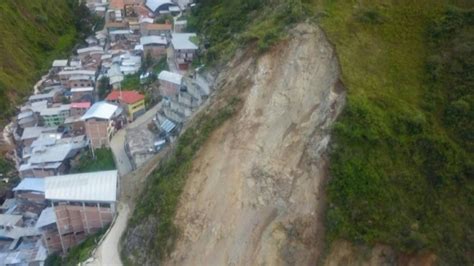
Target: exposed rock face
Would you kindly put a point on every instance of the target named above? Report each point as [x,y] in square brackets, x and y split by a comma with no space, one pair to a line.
[254,194]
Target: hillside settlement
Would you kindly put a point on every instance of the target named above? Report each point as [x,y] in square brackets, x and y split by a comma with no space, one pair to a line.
[128,89]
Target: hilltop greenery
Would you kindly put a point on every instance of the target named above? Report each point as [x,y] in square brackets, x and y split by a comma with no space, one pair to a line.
[33,34]
[402,162]
[103,161]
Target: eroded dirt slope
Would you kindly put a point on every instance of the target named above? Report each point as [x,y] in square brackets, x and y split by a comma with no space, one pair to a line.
[255,190]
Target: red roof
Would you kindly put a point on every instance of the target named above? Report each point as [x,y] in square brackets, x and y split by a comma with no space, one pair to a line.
[127,97]
[84,105]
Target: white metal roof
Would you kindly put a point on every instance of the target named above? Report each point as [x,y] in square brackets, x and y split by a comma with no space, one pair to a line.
[35,132]
[77,72]
[153,5]
[60,63]
[92,187]
[55,110]
[30,184]
[102,110]
[146,40]
[82,89]
[170,77]
[90,49]
[47,217]
[181,41]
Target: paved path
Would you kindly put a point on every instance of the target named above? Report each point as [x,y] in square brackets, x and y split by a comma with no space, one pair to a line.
[118,148]
[107,252]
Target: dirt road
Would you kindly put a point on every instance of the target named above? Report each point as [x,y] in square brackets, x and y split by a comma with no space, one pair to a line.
[107,252]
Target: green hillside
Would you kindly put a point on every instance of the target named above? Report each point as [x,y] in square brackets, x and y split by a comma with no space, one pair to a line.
[33,33]
[402,163]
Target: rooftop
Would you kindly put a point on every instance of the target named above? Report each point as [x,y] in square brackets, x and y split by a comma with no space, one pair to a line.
[101,110]
[92,187]
[30,184]
[170,77]
[147,40]
[156,26]
[182,41]
[84,89]
[90,49]
[35,132]
[10,219]
[60,63]
[128,97]
[153,5]
[47,217]
[83,105]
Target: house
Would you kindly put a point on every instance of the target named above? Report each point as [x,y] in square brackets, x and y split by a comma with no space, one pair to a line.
[132,101]
[27,118]
[59,65]
[149,29]
[82,204]
[154,46]
[87,76]
[82,94]
[100,121]
[159,6]
[79,108]
[52,158]
[46,225]
[170,83]
[180,25]
[184,49]
[30,134]
[88,51]
[52,96]
[30,189]
[55,116]
[80,81]
[139,145]
[75,125]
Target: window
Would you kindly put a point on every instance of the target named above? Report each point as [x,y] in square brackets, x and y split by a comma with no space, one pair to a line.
[104,205]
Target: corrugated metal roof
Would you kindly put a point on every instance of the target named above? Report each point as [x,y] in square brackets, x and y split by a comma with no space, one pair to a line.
[167,126]
[92,187]
[181,41]
[170,77]
[82,89]
[147,40]
[90,49]
[60,63]
[30,184]
[101,110]
[47,217]
[153,5]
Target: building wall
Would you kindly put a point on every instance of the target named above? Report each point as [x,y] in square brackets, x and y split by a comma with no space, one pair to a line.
[136,109]
[55,120]
[76,220]
[168,89]
[156,51]
[82,83]
[38,172]
[81,95]
[99,132]
[30,196]
[51,239]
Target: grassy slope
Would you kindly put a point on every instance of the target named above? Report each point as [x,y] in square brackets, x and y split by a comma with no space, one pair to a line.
[33,34]
[399,176]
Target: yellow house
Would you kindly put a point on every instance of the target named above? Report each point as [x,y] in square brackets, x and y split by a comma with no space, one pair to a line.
[133,102]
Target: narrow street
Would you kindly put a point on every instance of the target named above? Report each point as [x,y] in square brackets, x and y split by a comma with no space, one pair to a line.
[107,253]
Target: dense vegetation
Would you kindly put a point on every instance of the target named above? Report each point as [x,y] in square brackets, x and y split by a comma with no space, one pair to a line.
[103,161]
[33,33]
[402,161]
[164,186]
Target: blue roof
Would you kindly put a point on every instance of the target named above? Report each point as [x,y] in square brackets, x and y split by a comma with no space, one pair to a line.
[31,184]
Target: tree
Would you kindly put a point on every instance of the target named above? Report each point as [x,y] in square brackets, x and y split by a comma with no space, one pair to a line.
[104,87]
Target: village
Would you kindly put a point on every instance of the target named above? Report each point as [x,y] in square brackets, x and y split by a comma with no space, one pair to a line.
[128,91]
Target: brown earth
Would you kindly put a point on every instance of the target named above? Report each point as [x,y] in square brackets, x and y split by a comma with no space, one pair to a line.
[254,195]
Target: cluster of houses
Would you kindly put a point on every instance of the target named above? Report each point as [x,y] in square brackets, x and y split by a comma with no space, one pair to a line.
[51,209]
